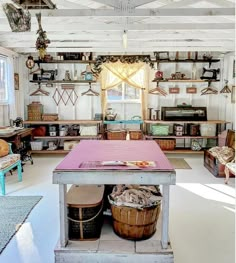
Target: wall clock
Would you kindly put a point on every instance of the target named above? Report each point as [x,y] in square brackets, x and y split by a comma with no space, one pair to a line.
[30,62]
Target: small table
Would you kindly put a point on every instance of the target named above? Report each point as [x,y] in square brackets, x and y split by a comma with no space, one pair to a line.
[71,171]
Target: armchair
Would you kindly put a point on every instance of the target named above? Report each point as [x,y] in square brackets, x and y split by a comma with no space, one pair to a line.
[8,161]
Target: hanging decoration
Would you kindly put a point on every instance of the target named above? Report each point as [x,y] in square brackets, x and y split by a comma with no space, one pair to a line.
[18,18]
[42,40]
[123,59]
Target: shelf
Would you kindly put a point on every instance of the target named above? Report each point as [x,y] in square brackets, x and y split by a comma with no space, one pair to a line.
[94,122]
[184,151]
[64,61]
[179,137]
[187,61]
[49,152]
[99,136]
[197,122]
[62,81]
[124,122]
[186,80]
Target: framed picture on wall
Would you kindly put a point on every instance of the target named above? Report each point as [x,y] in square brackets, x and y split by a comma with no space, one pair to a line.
[16,81]
[233,94]
[174,90]
[191,90]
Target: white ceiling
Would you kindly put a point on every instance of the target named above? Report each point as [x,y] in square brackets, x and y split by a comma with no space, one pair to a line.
[98,26]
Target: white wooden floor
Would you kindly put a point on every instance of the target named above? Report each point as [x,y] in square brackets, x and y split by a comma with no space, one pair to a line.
[202,215]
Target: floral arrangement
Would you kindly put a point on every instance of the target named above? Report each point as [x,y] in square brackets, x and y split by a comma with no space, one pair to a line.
[42,40]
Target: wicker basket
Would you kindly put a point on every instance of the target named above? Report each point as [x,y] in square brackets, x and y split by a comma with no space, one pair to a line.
[50,117]
[85,217]
[35,110]
[135,224]
[136,135]
[116,135]
[166,144]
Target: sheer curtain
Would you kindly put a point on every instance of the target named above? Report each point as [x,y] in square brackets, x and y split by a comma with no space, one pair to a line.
[136,75]
[7,92]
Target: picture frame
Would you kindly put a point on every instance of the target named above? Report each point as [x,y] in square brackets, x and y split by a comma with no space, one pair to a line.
[233,94]
[191,90]
[174,90]
[16,81]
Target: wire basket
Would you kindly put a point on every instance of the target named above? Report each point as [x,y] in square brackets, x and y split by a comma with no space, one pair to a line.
[36,145]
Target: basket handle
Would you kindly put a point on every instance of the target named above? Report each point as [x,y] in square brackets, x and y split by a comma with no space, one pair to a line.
[87,220]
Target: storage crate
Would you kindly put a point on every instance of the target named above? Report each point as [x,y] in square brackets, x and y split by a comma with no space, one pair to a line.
[88,130]
[135,224]
[166,144]
[116,135]
[85,217]
[50,117]
[36,145]
[69,145]
[35,111]
[160,130]
[208,129]
[136,134]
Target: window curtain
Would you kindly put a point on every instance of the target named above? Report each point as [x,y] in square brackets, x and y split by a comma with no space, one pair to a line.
[136,75]
[7,102]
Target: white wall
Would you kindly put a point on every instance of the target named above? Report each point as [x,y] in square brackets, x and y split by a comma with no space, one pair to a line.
[219,106]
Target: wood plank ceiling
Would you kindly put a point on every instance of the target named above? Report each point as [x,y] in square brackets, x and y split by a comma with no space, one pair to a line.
[98,26]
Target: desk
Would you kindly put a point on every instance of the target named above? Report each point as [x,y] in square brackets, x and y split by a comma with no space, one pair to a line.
[69,171]
[17,136]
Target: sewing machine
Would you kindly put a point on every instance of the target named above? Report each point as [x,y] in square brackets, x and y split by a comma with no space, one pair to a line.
[211,73]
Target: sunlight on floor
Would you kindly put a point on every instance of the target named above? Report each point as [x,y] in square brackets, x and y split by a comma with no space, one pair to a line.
[209,193]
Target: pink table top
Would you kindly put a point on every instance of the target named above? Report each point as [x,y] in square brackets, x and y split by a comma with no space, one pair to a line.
[92,151]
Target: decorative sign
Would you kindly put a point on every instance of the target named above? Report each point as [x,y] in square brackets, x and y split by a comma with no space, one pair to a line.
[191,90]
[174,90]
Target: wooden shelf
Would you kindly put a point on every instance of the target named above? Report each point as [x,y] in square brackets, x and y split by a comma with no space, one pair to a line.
[184,151]
[179,137]
[65,61]
[187,61]
[99,136]
[49,152]
[89,122]
[62,81]
[186,80]
[195,122]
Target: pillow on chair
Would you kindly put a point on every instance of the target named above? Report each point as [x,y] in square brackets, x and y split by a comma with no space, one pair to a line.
[4,148]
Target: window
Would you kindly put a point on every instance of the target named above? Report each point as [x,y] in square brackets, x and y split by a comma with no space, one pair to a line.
[124,93]
[3,80]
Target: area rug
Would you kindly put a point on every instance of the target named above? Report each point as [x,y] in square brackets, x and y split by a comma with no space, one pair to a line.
[179,163]
[13,212]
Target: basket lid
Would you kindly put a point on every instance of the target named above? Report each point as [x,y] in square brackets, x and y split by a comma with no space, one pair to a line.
[85,195]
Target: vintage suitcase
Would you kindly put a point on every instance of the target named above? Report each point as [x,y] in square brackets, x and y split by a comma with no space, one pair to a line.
[212,163]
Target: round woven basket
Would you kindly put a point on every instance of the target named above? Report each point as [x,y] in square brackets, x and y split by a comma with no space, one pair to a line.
[135,224]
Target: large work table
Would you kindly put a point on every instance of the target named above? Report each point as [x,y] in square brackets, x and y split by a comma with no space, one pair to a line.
[79,167]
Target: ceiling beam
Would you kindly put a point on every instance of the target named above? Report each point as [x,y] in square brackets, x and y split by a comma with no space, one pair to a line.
[134,27]
[103,36]
[137,3]
[181,12]
[129,49]
[111,3]
[118,43]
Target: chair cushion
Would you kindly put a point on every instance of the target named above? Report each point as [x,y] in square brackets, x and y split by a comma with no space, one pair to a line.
[4,148]
[8,160]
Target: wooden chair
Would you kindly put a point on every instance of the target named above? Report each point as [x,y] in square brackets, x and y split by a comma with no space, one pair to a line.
[8,161]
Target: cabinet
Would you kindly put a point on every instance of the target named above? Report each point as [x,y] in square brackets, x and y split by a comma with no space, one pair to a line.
[185,138]
[59,140]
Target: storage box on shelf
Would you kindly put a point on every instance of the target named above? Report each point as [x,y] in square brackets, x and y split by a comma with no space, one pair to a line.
[212,163]
[44,133]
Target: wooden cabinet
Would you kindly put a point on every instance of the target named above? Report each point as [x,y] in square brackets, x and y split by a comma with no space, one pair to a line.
[185,138]
[60,140]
